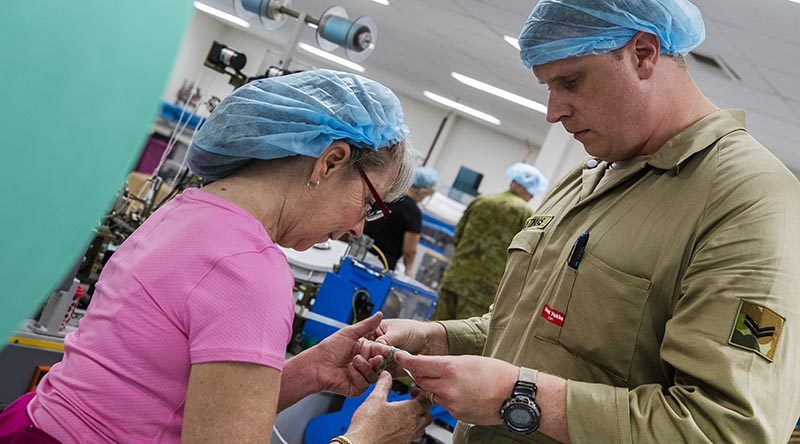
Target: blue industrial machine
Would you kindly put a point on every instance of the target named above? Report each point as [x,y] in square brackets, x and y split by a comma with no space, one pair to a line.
[357,290]
[354,291]
[323,428]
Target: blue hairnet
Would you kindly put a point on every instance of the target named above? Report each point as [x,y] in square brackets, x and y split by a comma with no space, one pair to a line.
[297,114]
[528,177]
[560,29]
[425,177]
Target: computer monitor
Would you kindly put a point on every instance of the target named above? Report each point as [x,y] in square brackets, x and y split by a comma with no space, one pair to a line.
[468,181]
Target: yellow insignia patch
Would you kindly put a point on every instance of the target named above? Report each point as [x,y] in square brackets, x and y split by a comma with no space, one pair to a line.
[757,329]
[539,221]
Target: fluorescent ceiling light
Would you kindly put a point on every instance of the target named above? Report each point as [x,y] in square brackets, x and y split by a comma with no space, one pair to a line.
[536,106]
[515,43]
[463,108]
[386,2]
[312,25]
[221,14]
[328,56]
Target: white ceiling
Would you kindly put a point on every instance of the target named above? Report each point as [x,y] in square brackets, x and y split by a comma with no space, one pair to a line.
[421,42]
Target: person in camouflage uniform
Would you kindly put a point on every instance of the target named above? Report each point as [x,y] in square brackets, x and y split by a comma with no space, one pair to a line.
[481,240]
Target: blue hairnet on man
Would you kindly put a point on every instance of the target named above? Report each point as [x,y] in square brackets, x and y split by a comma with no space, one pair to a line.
[652,295]
[529,177]
[397,235]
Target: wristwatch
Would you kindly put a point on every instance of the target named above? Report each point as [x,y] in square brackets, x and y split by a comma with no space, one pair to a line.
[520,413]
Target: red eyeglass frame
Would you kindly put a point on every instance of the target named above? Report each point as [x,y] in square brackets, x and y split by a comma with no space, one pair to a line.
[378,201]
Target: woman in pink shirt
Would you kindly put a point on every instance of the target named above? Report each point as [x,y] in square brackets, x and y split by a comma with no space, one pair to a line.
[186,334]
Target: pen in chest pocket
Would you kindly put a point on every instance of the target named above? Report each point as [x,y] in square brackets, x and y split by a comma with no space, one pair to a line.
[576,254]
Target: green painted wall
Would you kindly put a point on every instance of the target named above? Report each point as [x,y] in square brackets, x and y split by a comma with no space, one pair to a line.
[80,83]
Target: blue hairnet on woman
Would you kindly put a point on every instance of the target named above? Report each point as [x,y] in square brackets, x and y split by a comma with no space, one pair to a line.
[186,335]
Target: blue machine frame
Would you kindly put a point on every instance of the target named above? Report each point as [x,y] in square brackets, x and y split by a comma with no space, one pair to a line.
[394,297]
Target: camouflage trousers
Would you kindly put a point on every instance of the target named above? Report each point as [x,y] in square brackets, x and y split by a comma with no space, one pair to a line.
[451,305]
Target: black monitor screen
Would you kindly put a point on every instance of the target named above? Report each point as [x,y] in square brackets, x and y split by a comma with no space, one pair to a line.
[468,181]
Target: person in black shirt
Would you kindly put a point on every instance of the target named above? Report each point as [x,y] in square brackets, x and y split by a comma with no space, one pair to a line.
[398,234]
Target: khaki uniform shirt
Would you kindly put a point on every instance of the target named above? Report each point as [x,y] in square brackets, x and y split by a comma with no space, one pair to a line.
[681,322]
[481,240]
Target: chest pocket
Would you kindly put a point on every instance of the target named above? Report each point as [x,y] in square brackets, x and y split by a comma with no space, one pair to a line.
[520,254]
[604,314]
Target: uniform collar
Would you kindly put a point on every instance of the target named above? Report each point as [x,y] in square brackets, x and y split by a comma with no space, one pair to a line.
[697,137]
[511,193]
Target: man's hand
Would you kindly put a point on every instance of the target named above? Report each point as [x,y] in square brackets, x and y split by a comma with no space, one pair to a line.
[471,388]
[427,338]
[379,422]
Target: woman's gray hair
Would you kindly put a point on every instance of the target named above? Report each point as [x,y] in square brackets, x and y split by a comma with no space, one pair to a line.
[400,154]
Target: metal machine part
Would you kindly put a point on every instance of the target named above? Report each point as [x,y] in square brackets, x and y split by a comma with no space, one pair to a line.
[358,247]
[55,316]
[271,13]
[229,61]
[334,27]
[358,37]
[357,290]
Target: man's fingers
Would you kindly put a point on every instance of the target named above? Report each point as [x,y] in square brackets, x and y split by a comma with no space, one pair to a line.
[421,367]
[382,387]
[366,326]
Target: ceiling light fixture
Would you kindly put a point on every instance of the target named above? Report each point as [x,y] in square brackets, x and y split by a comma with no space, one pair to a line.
[519,100]
[515,42]
[463,108]
[230,18]
[382,2]
[328,56]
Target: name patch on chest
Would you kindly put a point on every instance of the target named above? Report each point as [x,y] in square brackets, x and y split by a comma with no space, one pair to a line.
[553,316]
[539,221]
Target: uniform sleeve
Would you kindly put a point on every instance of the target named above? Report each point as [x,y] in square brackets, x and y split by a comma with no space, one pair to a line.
[467,336]
[241,310]
[462,223]
[745,257]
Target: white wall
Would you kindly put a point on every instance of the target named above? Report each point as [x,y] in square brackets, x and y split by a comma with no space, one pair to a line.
[488,152]
[467,142]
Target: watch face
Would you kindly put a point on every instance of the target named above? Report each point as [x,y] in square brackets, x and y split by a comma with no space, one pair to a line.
[520,417]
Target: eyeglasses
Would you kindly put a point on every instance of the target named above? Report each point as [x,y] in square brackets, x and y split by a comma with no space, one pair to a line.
[378,208]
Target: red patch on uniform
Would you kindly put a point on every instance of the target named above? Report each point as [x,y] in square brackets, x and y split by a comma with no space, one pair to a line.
[553,316]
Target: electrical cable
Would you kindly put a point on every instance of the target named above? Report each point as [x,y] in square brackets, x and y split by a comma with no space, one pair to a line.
[353,302]
[278,434]
[178,130]
[382,257]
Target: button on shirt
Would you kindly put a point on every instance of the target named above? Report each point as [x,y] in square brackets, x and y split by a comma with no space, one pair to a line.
[642,328]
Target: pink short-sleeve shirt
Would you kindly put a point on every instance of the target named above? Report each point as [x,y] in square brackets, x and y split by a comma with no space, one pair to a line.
[199,281]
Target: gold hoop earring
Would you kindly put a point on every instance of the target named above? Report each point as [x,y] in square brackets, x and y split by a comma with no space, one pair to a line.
[312,186]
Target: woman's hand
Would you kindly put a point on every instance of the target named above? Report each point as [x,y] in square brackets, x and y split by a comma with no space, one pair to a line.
[378,421]
[338,363]
[334,365]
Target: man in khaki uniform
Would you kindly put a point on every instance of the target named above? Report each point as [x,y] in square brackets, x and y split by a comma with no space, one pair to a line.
[657,288]
[482,236]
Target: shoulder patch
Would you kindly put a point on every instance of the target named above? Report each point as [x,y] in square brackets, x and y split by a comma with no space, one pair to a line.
[757,329]
[540,221]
